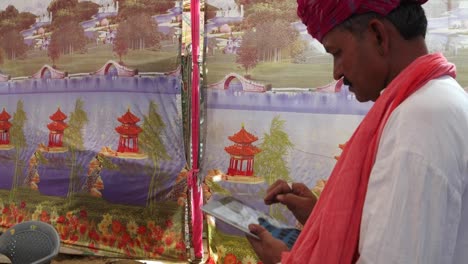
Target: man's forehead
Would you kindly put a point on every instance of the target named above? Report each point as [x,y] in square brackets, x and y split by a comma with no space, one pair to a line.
[334,37]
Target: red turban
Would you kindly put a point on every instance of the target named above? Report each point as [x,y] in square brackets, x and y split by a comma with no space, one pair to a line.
[321,16]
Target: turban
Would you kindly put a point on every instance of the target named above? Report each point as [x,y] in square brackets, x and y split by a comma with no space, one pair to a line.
[321,16]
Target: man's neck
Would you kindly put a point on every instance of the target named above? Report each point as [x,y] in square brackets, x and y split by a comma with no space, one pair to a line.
[405,52]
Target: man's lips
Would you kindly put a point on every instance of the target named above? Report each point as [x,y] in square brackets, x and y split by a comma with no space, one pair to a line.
[348,83]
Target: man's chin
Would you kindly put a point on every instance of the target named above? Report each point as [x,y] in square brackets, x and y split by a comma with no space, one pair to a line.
[359,98]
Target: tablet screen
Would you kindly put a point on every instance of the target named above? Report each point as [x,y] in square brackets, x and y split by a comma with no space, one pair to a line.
[240,215]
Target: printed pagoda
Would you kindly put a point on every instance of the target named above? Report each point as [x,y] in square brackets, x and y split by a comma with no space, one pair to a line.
[129,130]
[242,153]
[5,126]
[56,128]
[128,139]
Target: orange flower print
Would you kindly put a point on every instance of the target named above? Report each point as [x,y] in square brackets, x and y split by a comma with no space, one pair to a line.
[116,227]
[210,261]
[141,230]
[169,223]
[69,214]
[159,250]
[45,216]
[20,218]
[168,240]
[92,247]
[83,229]
[93,235]
[61,219]
[230,259]
[180,245]
[151,224]
[83,214]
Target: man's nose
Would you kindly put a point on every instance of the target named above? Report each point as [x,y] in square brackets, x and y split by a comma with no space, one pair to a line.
[337,71]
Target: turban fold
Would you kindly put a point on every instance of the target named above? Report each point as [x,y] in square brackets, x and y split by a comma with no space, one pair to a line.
[321,16]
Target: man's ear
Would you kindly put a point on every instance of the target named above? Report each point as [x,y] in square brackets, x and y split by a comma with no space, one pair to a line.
[379,33]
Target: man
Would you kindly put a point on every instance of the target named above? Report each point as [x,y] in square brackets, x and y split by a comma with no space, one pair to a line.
[398,192]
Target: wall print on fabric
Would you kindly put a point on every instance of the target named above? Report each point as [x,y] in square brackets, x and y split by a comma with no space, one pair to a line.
[91,129]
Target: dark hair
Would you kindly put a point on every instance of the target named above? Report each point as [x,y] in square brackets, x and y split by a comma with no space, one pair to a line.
[408,18]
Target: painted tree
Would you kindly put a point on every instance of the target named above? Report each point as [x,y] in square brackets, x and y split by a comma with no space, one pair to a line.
[53,51]
[268,12]
[2,56]
[85,10]
[25,20]
[68,38]
[273,30]
[11,18]
[57,5]
[18,140]
[212,45]
[73,139]
[297,51]
[247,55]
[121,41]
[12,42]
[271,162]
[9,13]
[64,11]
[140,32]
[152,143]
[128,9]
[150,7]
[9,34]
[273,37]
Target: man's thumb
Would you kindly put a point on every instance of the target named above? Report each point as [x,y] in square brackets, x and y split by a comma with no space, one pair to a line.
[259,231]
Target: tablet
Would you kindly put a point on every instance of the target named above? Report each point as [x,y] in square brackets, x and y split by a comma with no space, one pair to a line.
[238,214]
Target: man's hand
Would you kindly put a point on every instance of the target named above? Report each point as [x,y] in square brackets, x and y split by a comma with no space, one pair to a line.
[296,196]
[268,248]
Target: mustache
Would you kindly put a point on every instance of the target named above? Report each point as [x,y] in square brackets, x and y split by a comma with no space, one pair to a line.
[346,82]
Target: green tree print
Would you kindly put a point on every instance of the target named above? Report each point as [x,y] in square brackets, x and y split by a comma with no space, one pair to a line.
[271,162]
[18,140]
[151,142]
[73,139]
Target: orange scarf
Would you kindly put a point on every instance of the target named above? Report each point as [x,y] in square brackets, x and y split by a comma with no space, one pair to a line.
[331,234]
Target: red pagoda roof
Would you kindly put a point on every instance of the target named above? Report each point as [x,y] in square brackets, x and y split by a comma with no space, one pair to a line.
[57,126]
[128,130]
[128,118]
[243,137]
[242,150]
[58,116]
[4,115]
[5,125]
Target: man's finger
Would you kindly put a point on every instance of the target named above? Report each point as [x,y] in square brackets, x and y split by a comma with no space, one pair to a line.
[274,185]
[301,189]
[281,188]
[290,199]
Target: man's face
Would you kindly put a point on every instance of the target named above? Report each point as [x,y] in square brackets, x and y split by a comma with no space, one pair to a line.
[358,61]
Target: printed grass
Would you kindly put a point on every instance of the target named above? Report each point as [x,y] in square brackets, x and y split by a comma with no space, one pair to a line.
[93,59]
[311,75]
